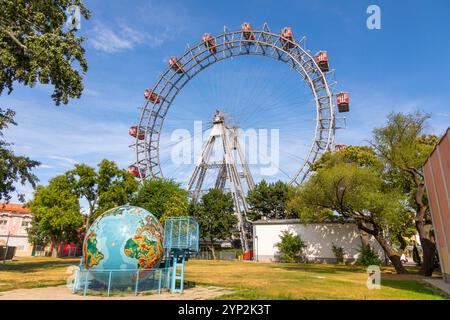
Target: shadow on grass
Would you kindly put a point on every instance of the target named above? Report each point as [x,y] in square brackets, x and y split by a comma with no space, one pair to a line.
[413,286]
[319,268]
[33,266]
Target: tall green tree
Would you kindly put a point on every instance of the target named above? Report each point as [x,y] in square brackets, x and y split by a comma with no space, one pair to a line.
[13,168]
[36,46]
[102,189]
[356,191]
[403,147]
[269,200]
[163,198]
[215,216]
[56,214]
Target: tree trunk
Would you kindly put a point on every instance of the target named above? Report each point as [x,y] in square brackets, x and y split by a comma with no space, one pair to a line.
[87,223]
[53,250]
[211,247]
[393,256]
[61,249]
[364,238]
[428,246]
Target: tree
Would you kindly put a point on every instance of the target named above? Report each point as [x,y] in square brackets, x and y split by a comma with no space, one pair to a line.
[363,156]
[269,200]
[215,216]
[56,214]
[290,247]
[36,47]
[403,147]
[356,192]
[103,189]
[13,168]
[163,198]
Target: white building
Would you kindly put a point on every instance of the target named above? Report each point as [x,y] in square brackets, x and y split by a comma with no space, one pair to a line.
[14,221]
[319,238]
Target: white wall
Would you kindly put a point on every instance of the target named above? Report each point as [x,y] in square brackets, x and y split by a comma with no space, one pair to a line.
[319,239]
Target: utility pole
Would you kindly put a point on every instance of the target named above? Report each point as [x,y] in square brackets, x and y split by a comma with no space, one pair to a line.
[6,248]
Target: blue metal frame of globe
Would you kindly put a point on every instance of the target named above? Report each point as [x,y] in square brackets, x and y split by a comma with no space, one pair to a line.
[123,240]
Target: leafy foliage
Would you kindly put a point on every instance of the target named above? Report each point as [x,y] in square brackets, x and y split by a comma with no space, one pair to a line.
[358,193]
[403,147]
[103,189]
[269,200]
[368,257]
[13,168]
[163,198]
[338,253]
[363,156]
[36,47]
[215,216]
[290,248]
[56,213]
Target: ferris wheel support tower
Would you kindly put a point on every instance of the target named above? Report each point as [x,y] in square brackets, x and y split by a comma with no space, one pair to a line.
[228,171]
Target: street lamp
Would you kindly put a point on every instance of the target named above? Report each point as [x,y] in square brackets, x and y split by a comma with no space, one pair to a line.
[257,249]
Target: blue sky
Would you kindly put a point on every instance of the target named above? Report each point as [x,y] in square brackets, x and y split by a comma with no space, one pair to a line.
[402,67]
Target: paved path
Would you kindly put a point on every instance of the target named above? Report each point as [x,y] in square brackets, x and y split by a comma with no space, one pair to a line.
[440,284]
[64,293]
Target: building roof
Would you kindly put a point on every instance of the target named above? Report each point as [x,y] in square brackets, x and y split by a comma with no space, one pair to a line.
[441,139]
[294,221]
[14,208]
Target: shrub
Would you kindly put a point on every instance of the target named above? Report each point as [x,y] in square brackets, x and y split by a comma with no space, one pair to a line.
[368,257]
[290,247]
[338,253]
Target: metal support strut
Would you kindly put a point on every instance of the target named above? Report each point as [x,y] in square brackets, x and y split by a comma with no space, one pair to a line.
[228,171]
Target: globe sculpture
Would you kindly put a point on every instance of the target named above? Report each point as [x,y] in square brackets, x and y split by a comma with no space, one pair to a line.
[124,239]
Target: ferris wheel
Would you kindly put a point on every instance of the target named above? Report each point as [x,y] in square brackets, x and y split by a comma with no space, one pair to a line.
[313,69]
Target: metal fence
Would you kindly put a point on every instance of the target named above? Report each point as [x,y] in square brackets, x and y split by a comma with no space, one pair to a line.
[220,255]
[181,233]
[107,282]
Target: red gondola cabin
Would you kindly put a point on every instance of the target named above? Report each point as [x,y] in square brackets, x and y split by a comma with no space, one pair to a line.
[133,169]
[322,61]
[287,37]
[342,100]
[175,65]
[134,132]
[149,94]
[209,43]
[338,147]
[247,31]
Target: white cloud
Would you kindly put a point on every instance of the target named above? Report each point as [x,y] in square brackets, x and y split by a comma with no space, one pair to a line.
[123,37]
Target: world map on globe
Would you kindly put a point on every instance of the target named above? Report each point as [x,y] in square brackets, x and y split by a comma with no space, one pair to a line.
[124,238]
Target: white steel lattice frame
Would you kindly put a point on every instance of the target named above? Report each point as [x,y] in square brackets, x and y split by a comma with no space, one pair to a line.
[232,44]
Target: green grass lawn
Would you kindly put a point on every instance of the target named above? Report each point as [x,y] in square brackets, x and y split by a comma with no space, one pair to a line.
[305,281]
[248,280]
[35,272]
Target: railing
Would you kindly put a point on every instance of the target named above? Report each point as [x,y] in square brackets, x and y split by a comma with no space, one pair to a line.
[220,255]
[107,282]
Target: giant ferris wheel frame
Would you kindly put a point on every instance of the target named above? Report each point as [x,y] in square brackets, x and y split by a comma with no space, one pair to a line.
[233,44]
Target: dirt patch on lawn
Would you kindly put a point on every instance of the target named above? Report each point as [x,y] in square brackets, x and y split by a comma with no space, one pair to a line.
[65,293]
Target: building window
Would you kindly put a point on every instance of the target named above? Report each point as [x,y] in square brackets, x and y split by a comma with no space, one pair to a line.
[25,224]
[3,222]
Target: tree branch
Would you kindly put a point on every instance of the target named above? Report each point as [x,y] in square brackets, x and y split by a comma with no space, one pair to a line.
[14,38]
